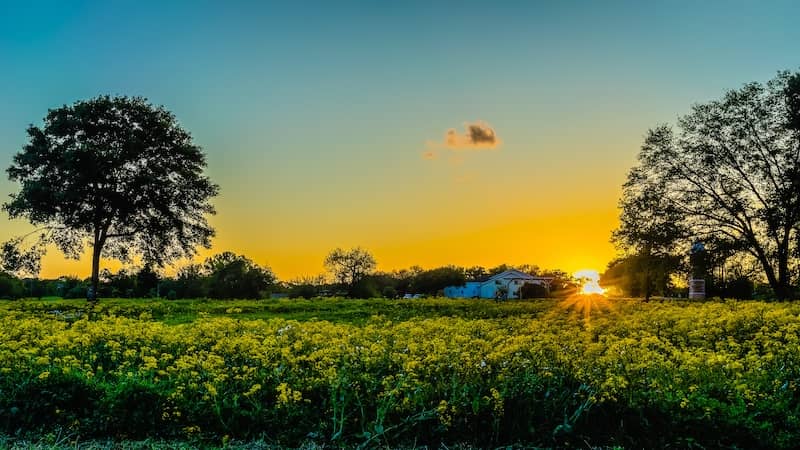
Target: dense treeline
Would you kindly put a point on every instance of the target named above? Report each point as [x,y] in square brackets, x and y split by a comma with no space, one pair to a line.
[418,281]
[228,275]
[222,276]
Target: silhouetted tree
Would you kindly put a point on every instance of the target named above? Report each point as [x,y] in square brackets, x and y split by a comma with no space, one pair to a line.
[375,285]
[389,292]
[350,266]
[404,277]
[303,291]
[235,276]
[476,273]
[116,173]
[120,284]
[71,287]
[733,170]
[190,282]
[533,290]
[14,260]
[562,284]
[649,235]
[306,286]
[147,282]
[641,275]
[366,287]
[498,270]
[739,288]
[11,287]
[432,281]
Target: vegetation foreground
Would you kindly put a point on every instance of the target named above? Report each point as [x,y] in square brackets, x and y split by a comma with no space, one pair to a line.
[406,372]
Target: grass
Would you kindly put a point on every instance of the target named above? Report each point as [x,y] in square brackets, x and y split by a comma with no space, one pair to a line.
[338,310]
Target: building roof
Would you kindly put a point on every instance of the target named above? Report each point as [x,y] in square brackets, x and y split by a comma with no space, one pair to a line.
[517,275]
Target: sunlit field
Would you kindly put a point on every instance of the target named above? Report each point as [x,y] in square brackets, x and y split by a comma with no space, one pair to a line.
[404,373]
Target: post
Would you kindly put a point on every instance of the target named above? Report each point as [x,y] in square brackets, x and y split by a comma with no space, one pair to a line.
[697,282]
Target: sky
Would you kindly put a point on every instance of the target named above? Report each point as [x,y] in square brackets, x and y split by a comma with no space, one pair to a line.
[342,124]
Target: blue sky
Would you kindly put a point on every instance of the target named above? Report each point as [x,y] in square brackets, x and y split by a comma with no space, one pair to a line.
[315,115]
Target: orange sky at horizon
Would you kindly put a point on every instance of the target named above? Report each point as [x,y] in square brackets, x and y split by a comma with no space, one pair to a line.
[568,241]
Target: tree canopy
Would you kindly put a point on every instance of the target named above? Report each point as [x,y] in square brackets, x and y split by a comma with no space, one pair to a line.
[729,171]
[235,276]
[649,234]
[349,266]
[432,281]
[118,174]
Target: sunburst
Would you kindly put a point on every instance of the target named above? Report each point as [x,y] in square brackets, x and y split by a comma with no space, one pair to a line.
[586,304]
[591,297]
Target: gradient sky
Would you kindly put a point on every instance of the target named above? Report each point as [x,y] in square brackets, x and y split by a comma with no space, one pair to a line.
[316,115]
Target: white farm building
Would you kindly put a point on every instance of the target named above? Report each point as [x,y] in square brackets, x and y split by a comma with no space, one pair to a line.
[505,284]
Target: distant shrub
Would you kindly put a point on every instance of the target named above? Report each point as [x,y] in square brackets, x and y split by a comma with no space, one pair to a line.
[365,288]
[533,290]
[389,292]
[11,287]
[303,291]
[740,288]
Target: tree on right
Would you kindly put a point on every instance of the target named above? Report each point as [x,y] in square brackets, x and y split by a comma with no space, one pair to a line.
[729,170]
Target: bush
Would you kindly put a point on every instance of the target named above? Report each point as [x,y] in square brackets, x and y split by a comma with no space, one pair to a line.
[533,290]
[365,288]
[740,288]
[303,291]
[11,287]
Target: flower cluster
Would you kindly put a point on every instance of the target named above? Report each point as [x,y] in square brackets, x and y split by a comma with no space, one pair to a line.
[552,373]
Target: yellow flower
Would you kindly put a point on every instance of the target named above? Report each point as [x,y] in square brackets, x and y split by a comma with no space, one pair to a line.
[253,390]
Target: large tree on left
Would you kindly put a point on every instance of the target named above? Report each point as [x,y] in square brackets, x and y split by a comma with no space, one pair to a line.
[117,174]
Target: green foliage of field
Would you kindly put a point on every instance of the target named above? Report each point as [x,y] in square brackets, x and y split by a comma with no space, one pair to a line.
[340,310]
[335,372]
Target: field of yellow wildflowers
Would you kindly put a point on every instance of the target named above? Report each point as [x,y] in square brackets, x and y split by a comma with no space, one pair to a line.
[386,373]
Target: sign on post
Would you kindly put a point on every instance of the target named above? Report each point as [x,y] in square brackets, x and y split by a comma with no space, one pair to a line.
[697,288]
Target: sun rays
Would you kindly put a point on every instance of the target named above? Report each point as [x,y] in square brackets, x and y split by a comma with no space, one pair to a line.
[590,298]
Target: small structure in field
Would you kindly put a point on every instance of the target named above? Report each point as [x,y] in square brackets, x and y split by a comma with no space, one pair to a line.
[699,261]
[503,285]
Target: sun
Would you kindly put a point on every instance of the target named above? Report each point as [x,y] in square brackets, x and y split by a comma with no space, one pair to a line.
[590,298]
[590,280]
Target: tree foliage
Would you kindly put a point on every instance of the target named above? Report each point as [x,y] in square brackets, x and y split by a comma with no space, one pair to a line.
[11,287]
[431,282]
[731,170]
[649,234]
[118,174]
[235,276]
[349,266]
[533,290]
[642,275]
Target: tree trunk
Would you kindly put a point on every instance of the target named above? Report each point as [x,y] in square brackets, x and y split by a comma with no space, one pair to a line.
[92,294]
[97,250]
[775,282]
[784,291]
[647,275]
